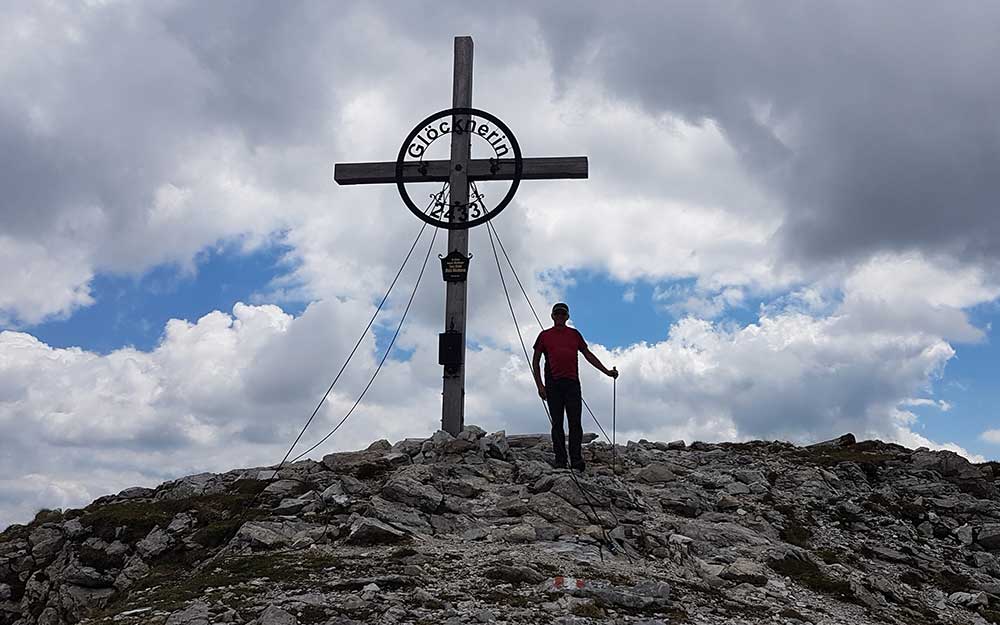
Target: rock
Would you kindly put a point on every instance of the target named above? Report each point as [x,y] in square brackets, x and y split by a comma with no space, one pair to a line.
[269,534]
[520,534]
[136,492]
[495,445]
[968,599]
[678,444]
[181,523]
[194,614]
[841,441]
[366,531]
[74,529]
[86,576]
[382,445]
[273,615]
[988,536]
[77,600]
[964,534]
[557,510]
[45,541]
[134,570]
[155,543]
[522,441]
[745,571]
[359,464]
[655,473]
[281,488]
[472,433]
[398,515]
[408,490]
[654,589]
[514,574]
[6,592]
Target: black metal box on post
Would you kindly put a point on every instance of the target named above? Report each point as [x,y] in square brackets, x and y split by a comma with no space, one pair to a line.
[450,352]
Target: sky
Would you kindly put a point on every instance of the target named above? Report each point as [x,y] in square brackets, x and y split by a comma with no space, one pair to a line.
[789,230]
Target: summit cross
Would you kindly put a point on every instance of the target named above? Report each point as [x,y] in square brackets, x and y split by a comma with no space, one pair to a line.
[459,171]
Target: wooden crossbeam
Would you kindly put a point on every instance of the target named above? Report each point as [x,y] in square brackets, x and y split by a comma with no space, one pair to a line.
[550,168]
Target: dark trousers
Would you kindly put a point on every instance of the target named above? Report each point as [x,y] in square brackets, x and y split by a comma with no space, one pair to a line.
[563,395]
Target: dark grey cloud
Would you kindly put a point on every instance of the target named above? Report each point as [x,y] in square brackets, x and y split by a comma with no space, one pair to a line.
[876,122]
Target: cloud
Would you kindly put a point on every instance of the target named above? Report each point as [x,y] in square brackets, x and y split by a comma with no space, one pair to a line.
[840,170]
[990,436]
[232,390]
[875,130]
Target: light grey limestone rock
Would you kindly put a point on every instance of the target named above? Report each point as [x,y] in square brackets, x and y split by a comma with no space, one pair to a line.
[155,543]
[194,614]
[274,615]
[366,531]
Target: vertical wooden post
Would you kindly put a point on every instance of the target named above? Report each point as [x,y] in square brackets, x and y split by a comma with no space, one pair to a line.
[453,400]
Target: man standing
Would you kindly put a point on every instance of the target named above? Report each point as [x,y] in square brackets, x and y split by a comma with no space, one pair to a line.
[561,389]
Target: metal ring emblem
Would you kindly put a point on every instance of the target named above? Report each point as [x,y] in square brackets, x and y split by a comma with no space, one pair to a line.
[459,225]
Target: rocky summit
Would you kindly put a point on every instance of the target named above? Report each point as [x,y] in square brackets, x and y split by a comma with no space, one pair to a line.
[480,529]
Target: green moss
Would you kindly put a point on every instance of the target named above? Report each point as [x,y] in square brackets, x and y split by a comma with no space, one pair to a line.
[14,532]
[46,515]
[139,517]
[173,583]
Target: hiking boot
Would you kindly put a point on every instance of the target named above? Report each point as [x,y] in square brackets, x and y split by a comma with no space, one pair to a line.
[558,463]
[579,466]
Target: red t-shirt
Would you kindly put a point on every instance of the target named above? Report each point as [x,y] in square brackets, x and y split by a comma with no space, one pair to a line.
[560,345]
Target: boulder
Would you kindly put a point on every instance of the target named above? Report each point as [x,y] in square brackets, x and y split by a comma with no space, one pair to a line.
[155,543]
[495,445]
[841,441]
[367,531]
[195,614]
[988,536]
[514,574]
[655,473]
[406,489]
[273,615]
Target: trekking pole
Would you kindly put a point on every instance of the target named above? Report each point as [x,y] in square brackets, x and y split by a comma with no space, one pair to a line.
[614,401]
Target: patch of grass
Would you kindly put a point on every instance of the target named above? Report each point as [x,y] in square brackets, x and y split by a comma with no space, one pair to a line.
[811,576]
[45,515]
[14,532]
[172,584]
[99,558]
[993,616]
[139,517]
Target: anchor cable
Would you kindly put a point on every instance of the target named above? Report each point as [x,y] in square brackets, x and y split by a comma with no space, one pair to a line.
[364,333]
[384,356]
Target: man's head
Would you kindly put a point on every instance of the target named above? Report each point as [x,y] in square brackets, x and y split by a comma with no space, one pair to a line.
[560,313]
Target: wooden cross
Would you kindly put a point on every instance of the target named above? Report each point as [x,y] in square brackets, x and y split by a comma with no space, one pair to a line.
[459,171]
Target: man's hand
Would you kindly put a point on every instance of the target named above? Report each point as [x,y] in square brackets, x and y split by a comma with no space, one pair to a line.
[613,373]
[541,391]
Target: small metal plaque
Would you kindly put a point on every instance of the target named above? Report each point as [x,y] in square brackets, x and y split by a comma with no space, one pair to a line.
[455,266]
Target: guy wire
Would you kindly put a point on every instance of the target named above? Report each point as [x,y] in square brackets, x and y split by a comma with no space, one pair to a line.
[384,356]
